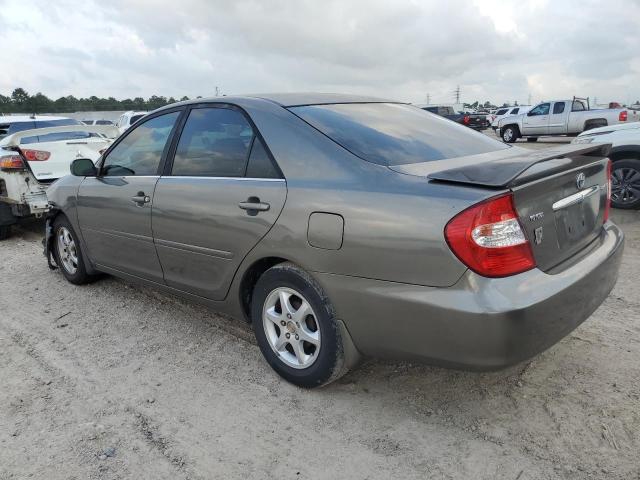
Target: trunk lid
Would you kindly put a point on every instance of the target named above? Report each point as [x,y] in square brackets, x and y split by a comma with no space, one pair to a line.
[62,153]
[560,194]
[63,144]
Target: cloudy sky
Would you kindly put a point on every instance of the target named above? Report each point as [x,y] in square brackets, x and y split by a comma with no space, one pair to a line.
[500,50]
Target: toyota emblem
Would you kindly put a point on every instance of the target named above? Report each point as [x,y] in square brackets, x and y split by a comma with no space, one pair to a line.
[580,178]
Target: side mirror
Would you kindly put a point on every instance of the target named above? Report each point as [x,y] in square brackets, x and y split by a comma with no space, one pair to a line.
[83,167]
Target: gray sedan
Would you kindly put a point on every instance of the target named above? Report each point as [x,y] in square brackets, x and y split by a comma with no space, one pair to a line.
[343,226]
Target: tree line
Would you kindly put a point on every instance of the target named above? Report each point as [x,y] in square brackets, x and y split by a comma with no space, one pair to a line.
[20,101]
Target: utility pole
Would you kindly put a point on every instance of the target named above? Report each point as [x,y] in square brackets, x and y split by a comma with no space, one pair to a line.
[217,91]
[428,99]
[456,92]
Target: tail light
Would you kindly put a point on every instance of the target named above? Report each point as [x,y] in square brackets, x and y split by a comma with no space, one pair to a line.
[466,119]
[11,162]
[607,206]
[623,116]
[488,238]
[36,155]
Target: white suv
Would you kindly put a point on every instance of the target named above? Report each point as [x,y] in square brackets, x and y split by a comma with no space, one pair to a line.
[505,112]
[127,119]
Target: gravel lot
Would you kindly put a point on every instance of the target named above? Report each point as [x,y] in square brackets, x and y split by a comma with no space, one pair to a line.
[113,381]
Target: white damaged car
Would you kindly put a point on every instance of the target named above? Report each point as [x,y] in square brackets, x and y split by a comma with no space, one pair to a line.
[30,160]
[625,158]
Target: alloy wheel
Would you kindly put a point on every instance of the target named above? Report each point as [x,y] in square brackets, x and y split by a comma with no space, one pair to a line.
[625,185]
[291,327]
[67,250]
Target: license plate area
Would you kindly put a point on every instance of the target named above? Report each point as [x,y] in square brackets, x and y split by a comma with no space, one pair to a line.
[577,222]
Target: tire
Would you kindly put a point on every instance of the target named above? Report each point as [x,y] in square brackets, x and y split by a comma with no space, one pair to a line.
[5,232]
[302,363]
[625,184]
[67,252]
[532,139]
[510,134]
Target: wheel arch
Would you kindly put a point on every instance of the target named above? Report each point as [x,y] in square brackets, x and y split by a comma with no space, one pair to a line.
[250,278]
[594,123]
[626,152]
[53,214]
[514,125]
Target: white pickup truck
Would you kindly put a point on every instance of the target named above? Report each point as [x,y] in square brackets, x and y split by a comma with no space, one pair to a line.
[30,160]
[560,117]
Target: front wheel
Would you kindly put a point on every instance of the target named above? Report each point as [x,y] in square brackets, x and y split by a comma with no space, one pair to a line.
[625,184]
[509,134]
[294,323]
[67,252]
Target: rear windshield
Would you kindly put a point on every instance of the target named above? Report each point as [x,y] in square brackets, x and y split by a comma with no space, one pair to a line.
[395,134]
[502,111]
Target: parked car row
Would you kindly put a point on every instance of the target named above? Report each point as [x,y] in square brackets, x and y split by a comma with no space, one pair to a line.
[476,121]
[342,226]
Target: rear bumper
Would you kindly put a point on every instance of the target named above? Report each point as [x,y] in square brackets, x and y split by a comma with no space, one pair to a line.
[479,323]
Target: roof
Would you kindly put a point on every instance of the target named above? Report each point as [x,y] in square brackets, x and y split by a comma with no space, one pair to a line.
[296,99]
[291,99]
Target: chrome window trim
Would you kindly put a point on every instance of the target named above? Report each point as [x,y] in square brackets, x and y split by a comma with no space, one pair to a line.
[224,178]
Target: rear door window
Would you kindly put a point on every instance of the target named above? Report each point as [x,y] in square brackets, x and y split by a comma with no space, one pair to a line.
[260,164]
[577,106]
[395,134]
[515,111]
[214,142]
[558,108]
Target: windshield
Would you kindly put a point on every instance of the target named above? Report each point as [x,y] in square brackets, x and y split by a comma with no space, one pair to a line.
[395,134]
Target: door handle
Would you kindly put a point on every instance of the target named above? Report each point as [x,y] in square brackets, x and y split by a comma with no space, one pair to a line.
[254,205]
[141,199]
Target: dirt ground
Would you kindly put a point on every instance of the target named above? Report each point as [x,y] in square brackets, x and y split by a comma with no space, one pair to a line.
[113,381]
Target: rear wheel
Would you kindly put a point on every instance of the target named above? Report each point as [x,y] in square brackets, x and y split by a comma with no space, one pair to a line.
[5,232]
[510,134]
[67,252]
[294,323]
[532,139]
[625,184]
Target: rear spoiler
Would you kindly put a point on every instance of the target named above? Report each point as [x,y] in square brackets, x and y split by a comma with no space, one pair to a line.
[510,171]
[14,139]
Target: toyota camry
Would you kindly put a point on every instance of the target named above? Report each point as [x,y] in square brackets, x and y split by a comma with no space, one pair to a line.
[344,226]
